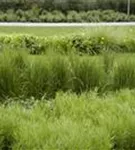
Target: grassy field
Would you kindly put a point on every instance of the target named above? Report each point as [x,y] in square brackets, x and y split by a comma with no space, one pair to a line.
[50,31]
[64,97]
[40,31]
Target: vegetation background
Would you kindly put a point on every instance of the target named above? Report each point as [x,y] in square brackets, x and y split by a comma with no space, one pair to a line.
[64,5]
[67,88]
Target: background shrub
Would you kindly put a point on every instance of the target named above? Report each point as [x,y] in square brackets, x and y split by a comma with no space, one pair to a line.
[40,15]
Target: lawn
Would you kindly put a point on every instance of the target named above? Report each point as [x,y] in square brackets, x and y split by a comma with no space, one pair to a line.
[50,31]
[40,31]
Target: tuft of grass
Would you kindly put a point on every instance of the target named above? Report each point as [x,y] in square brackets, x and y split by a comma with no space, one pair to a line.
[8,129]
[36,76]
[88,73]
[11,72]
[124,74]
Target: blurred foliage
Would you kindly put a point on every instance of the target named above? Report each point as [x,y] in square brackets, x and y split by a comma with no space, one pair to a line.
[65,5]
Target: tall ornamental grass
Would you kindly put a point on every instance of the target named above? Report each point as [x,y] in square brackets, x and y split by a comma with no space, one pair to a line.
[44,75]
[124,73]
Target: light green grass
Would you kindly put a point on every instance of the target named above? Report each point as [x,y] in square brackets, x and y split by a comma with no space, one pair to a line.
[40,31]
[50,31]
[70,122]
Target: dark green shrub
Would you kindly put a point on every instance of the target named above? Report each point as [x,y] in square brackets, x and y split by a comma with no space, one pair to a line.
[92,46]
[93,16]
[48,17]
[19,13]
[58,16]
[132,18]
[33,45]
[73,16]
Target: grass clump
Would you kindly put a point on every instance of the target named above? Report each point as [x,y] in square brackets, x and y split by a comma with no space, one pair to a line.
[35,77]
[88,73]
[8,130]
[11,72]
[124,74]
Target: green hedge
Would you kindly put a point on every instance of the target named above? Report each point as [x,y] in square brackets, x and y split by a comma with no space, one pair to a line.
[39,15]
[80,44]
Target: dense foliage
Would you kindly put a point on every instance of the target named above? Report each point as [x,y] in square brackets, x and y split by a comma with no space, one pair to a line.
[83,43]
[65,5]
[38,15]
[66,63]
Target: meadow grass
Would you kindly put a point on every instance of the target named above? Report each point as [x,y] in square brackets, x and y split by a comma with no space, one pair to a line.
[70,122]
[66,101]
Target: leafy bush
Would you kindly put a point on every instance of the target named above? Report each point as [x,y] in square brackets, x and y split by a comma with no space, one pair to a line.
[73,16]
[78,43]
[94,16]
[32,43]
